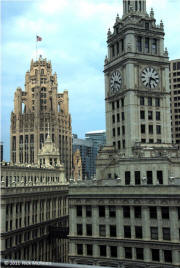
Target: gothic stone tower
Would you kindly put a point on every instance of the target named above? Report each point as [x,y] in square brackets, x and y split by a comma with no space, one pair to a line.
[137,99]
[36,109]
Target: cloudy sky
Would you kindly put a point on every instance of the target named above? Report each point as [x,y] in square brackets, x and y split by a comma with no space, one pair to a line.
[74,39]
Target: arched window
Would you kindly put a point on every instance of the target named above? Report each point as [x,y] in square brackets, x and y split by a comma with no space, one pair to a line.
[42,71]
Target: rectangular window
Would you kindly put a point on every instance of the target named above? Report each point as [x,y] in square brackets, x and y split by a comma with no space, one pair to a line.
[155,254]
[147,45]
[166,234]
[113,51]
[178,212]
[117,104]
[101,211]
[79,249]
[113,251]
[128,253]
[118,131]
[114,132]
[143,129]
[158,116]
[157,102]
[102,230]
[126,211]
[127,231]
[142,114]
[139,44]
[153,213]
[160,176]
[158,129]
[139,253]
[113,230]
[113,118]
[88,211]
[165,212]
[137,212]
[119,145]
[149,177]
[168,256]
[154,233]
[138,231]
[89,250]
[89,229]
[79,211]
[150,129]
[123,130]
[149,101]
[117,46]
[122,102]
[154,46]
[122,114]
[113,106]
[150,115]
[127,177]
[137,177]
[112,211]
[102,249]
[118,118]
[141,100]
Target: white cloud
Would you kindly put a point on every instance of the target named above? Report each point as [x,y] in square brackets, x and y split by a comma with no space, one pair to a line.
[52,7]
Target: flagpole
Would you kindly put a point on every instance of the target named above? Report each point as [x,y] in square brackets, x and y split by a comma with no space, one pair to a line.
[36,47]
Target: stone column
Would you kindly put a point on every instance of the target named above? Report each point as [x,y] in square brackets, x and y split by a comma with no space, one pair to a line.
[147,255]
[159,218]
[95,216]
[176,257]
[145,223]
[174,224]
[72,218]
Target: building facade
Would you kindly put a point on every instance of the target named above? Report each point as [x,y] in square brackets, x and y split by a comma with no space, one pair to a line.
[98,137]
[36,108]
[88,156]
[174,80]
[34,209]
[128,216]
[116,225]
[89,148]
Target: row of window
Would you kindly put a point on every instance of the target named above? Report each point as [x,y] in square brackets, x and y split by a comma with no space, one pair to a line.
[27,179]
[176,66]
[139,252]
[146,45]
[150,115]
[137,210]
[150,101]
[150,129]
[138,231]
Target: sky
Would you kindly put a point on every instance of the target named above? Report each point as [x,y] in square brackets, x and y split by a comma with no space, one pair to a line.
[74,34]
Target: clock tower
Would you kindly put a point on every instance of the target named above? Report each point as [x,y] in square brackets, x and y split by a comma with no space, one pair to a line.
[137,93]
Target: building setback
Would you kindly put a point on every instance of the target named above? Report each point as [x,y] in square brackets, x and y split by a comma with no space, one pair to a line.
[36,109]
[129,215]
[174,80]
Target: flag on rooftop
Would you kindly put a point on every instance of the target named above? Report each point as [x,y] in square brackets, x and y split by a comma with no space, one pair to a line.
[38,38]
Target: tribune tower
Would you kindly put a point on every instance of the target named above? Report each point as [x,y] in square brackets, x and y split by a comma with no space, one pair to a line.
[37,110]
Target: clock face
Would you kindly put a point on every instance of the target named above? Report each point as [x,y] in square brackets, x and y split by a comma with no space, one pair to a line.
[115,82]
[150,77]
